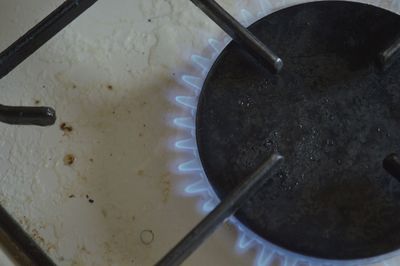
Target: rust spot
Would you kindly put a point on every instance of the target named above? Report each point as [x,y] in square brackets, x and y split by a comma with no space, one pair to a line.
[38,237]
[110,87]
[66,128]
[69,159]
[140,172]
[166,187]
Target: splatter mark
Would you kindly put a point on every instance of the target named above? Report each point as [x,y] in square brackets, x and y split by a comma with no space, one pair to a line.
[146,237]
[69,159]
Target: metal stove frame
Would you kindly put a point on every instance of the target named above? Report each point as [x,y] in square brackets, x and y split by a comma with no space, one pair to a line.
[19,244]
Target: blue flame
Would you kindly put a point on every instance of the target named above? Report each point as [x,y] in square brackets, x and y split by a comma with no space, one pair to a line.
[267,253]
[184,122]
[194,82]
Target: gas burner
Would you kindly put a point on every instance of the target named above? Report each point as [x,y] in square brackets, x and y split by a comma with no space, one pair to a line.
[331,112]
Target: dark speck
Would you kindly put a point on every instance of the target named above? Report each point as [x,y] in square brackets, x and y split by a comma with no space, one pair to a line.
[71,196]
[69,159]
[149,20]
[66,128]
[110,87]
[89,199]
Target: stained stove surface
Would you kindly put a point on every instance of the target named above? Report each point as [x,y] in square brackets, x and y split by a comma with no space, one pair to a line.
[111,76]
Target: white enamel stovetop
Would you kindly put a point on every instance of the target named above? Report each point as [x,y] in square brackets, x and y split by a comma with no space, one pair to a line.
[111,76]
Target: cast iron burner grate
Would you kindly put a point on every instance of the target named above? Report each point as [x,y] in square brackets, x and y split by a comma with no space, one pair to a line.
[331,112]
[18,244]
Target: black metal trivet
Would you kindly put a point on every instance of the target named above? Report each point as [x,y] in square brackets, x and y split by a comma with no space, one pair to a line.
[17,242]
[334,115]
[321,112]
[20,245]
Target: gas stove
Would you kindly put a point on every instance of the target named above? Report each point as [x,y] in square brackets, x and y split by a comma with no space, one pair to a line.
[104,190]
